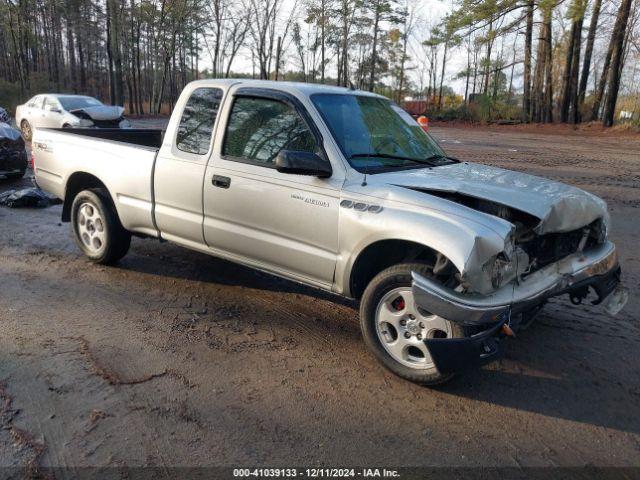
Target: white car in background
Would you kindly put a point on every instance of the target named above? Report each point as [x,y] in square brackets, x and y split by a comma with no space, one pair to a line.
[67,111]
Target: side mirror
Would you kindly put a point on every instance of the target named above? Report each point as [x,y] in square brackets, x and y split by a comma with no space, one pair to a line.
[53,109]
[303,163]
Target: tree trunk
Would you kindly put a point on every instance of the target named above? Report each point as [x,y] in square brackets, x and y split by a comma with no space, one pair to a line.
[444,61]
[568,74]
[374,60]
[72,57]
[322,41]
[278,53]
[615,71]
[117,54]
[487,71]
[588,52]
[542,91]
[81,59]
[599,93]
[538,78]
[403,60]
[549,69]
[528,40]
[112,91]
[574,116]
[467,73]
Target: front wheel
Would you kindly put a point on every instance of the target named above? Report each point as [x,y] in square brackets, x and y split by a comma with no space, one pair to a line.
[25,129]
[395,328]
[96,227]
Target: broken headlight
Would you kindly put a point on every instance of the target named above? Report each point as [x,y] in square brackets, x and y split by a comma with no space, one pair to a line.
[600,230]
[501,269]
[507,265]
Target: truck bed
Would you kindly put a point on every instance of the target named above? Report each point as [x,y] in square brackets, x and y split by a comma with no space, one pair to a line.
[137,136]
[122,160]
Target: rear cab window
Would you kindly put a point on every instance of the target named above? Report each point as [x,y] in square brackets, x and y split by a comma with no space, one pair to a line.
[259,128]
[198,118]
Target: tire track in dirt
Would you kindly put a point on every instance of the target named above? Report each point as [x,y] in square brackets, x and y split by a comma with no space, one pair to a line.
[27,451]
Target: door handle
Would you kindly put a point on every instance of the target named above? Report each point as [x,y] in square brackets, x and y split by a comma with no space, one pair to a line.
[220,181]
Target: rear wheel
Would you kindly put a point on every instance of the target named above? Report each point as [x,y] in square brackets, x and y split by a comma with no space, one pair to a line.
[96,227]
[395,328]
[25,129]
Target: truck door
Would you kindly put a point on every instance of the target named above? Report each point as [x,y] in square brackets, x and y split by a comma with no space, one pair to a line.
[280,222]
[181,164]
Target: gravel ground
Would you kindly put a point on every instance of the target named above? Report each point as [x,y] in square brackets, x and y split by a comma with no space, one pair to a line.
[174,358]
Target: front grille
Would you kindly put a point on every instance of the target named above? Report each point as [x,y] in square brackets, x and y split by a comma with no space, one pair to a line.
[552,247]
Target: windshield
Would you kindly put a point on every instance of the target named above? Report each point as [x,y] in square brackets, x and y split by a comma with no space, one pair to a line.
[377,135]
[73,103]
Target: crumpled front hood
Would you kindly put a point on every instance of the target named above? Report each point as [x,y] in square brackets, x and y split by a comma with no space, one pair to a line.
[8,132]
[560,207]
[103,112]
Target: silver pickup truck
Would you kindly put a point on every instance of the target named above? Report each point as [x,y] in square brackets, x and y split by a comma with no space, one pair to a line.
[341,190]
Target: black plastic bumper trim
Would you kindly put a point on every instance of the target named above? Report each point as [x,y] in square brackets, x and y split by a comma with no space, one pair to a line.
[452,355]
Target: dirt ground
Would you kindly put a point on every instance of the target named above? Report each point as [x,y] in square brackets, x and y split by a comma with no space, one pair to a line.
[174,358]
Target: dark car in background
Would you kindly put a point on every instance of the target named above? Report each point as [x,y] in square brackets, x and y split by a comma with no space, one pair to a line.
[13,155]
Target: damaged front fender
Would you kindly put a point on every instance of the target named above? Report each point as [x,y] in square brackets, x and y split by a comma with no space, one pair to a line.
[597,268]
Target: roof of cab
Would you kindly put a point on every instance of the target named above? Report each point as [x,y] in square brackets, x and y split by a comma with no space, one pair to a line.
[306,89]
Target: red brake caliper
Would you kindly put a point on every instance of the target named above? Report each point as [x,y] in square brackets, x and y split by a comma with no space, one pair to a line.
[398,304]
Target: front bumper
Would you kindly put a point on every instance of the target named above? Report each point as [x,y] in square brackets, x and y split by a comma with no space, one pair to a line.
[596,268]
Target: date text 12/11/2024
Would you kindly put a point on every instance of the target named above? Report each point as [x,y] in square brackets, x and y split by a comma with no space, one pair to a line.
[315,473]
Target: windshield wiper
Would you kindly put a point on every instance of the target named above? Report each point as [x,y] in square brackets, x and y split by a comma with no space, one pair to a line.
[437,156]
[397,157]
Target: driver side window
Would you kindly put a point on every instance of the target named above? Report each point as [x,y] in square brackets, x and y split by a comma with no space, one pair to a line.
[259,128]
[35,102]
[50,103]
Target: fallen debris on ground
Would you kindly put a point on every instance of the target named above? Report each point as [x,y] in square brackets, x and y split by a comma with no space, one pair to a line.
[27,197]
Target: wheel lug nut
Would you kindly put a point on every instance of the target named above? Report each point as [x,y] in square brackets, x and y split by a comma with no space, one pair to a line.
[412,317]
[421,324]
[407,335]
[419,336]
[403,322]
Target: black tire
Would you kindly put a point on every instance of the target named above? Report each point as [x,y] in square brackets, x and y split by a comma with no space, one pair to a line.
[115,240]
[394,277]
[25,129]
